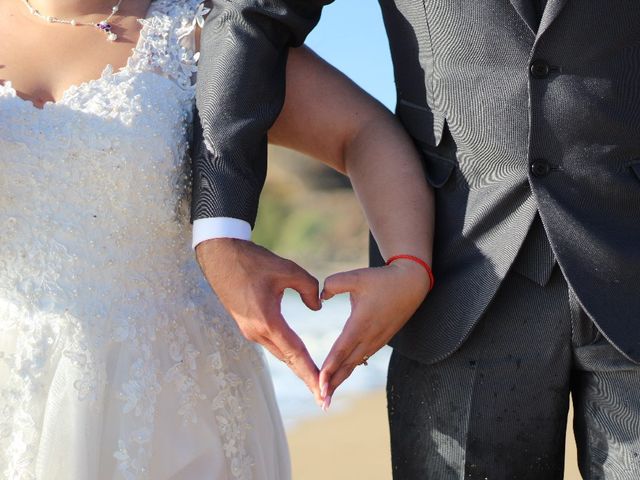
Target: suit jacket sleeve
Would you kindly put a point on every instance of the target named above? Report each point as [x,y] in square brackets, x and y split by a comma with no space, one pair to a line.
[240,92]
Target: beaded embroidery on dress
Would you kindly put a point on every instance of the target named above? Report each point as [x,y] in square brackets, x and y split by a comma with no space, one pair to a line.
[116,360]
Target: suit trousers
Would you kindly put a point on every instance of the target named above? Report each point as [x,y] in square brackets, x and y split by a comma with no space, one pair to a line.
[497,407]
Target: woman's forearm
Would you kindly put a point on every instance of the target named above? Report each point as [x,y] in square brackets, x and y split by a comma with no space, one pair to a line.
[387,175]
[330,118]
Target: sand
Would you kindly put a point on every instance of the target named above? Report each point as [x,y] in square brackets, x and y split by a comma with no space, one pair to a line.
[352,443]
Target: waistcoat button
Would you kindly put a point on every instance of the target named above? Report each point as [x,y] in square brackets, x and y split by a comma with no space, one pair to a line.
[539,69]
[540,168]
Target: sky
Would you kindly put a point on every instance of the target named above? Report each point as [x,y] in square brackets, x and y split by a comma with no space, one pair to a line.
[351,37]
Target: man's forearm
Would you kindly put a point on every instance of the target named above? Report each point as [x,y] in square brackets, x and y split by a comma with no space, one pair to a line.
[241,88]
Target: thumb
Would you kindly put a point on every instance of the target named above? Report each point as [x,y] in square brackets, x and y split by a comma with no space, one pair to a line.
[344,282]
[307,287]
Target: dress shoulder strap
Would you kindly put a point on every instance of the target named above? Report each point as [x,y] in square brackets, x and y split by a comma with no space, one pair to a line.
[167,40]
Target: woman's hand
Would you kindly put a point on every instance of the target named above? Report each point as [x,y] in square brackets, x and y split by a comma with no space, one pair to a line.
[382,301]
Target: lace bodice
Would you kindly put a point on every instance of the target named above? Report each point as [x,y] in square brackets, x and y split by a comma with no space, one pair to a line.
[104,167]
[96,264]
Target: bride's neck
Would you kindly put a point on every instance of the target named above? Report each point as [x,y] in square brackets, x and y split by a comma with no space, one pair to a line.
[74,8]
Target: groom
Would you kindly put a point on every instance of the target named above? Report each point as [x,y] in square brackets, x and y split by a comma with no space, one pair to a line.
[527,113]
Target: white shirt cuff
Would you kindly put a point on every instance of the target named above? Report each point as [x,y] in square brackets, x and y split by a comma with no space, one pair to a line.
[220,227]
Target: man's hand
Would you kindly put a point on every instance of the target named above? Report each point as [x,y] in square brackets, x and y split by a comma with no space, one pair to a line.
[382,301]
[250,282]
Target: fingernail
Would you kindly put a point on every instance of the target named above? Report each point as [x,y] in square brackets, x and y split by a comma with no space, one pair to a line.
[326,404]
[324,390]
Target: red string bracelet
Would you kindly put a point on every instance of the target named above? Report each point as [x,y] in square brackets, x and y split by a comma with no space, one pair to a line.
[420,262]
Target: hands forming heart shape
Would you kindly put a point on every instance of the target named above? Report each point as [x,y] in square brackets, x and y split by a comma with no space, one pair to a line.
[250,282]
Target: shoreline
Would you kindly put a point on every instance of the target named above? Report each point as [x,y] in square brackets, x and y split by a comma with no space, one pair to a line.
[351,442]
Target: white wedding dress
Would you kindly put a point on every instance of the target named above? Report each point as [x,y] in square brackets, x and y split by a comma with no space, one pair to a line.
[116,360]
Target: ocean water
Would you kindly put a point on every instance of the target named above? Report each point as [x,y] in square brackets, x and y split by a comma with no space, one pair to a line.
[319,330]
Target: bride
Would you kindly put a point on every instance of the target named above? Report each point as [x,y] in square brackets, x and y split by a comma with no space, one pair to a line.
[116,360]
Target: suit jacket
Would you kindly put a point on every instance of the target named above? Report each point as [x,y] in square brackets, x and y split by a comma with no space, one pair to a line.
[519,118]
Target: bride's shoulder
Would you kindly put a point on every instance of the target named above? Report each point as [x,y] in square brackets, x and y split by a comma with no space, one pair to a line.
[205,8]
[180,9]
[168,40]
[186,16]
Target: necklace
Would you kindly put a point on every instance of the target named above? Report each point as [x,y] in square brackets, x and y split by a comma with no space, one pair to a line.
[103,25]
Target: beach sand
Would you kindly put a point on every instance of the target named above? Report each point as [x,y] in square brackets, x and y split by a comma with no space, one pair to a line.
[351,442]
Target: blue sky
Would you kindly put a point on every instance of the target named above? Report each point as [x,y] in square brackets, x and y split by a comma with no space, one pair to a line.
[351,36]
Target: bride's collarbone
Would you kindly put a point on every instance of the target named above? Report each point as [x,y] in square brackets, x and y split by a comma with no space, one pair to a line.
[42,61]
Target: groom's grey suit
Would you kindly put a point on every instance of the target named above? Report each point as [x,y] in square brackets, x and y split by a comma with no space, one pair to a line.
[528,116]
